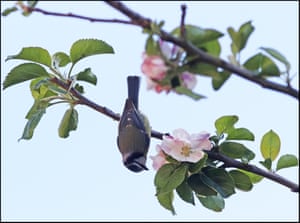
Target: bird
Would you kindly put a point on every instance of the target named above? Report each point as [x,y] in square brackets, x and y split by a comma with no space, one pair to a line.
[134,131]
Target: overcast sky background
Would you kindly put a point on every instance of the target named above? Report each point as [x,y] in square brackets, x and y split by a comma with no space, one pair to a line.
[82,177]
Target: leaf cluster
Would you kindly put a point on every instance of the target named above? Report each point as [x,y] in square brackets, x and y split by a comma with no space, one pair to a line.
[42,69]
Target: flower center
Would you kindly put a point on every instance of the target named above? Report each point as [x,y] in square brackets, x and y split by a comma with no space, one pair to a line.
[186,150]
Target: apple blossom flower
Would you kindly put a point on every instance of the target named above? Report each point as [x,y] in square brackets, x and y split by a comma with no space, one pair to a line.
[185,147]
[159,159]
[154,67]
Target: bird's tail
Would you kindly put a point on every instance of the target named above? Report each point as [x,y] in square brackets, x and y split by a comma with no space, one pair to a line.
[133,84]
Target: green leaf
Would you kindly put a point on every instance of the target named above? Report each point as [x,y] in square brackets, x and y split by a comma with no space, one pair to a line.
[60,59]
[87,75]
[198,36]
[34,116]
[241,180]
[286,161]
[212,47]
[185,192]
[196,183]
[225,123]
[88,47]
[24,72]
[68,123]
[151,46]
[240,38]
[267,163]
[237,151]
[169,176]
[34,54]
[245,30]
[219,79]
[218,179]
[188,92]
[277,55]
[39,88]
[79,88]
[166,200]
[7,11]
[196,167]
[240,134]
[214,202]
[270,145]
[262,66]
[252,176]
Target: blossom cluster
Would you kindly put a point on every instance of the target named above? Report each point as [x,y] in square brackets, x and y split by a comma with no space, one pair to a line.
[181,146]
[157,67]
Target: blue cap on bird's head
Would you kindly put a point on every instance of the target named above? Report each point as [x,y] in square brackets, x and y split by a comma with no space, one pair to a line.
[136,162]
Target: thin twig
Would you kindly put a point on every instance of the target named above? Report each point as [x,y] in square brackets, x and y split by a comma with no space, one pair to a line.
[182,26]
[72,15]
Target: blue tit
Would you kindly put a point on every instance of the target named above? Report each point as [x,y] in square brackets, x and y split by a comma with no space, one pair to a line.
[134,130]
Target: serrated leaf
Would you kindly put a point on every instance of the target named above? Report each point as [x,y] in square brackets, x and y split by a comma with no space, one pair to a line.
[34,54]
[185,192]
[277,55]
[87,75]
[169,176]
[166,200]
[286,161]
[196,183]
[218,179]
[240,134]
[88,47]
[241,180]
[214,202]
[68,123]
[225,123]
[34,116]
[24,72]
[236,151]
[60,59]
[270,145]
[188,92]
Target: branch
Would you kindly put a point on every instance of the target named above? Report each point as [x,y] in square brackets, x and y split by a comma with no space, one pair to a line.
[139,20]
[202,56]
[72,15]
[229,162]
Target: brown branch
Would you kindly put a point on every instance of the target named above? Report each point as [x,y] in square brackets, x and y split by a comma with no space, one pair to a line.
[202,56]
[229,162]
[72,15]
[182,26]
[139,20]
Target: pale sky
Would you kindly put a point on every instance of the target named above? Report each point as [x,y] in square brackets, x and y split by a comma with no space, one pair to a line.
[82,177]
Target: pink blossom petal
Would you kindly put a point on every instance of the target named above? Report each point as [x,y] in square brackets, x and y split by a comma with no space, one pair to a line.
[189,80]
